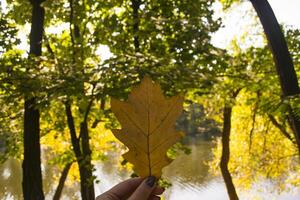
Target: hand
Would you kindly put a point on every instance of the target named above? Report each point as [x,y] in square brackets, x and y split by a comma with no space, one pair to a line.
[134,189]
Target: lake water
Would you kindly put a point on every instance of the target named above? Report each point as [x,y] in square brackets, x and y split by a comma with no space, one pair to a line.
[189,175]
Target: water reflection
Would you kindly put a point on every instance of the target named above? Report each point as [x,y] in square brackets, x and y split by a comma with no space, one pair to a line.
[11,179]
[193,168]
[187,171]
[189,175]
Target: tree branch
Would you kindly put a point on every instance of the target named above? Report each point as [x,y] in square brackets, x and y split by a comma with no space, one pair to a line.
[70,27]
[88,109]
[253,119]
[102,107]
[281,128]
[135,7]
[71,125]
[62,180]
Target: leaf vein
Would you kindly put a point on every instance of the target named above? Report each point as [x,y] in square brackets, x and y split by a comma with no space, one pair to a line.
[133,122]
[166,116]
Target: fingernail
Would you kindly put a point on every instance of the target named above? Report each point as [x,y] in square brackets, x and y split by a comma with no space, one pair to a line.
[151,181]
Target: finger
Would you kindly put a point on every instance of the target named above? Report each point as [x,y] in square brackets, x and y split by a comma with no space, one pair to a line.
[158,191]
[125,188]
[145,189]
[154,198]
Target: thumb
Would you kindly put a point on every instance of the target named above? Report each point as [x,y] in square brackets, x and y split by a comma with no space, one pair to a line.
[145,189]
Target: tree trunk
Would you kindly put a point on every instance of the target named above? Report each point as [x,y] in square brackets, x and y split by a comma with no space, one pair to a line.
[283,61]
[86,167]
[135,4]
[62,180]
[84,159]
[226,153]
[226,148]
[32,174]
[83,155]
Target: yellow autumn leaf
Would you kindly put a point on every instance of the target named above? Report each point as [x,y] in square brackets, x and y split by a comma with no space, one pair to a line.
[148,127]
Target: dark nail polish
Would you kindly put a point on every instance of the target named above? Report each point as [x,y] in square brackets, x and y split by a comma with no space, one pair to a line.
[151,181]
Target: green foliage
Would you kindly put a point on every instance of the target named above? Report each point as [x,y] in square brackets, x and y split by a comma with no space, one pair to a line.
[227,3]
[271,155]
[173,42]
[293,40]
[164,183]
[8,33]
[10,116]
[194,122]
[259,149]
[19,10]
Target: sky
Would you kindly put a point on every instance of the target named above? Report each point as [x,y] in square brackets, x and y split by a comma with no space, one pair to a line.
[239,19]
[287,11]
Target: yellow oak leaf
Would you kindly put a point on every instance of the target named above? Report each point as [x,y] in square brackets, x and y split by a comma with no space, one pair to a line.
[147,119]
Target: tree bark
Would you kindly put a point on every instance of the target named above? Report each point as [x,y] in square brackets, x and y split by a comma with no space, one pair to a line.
[283,61]
[136,22]
[226,153]
[226,150]
[81,148]
[32,175]
[86,167]
[62,180]
[71,125]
